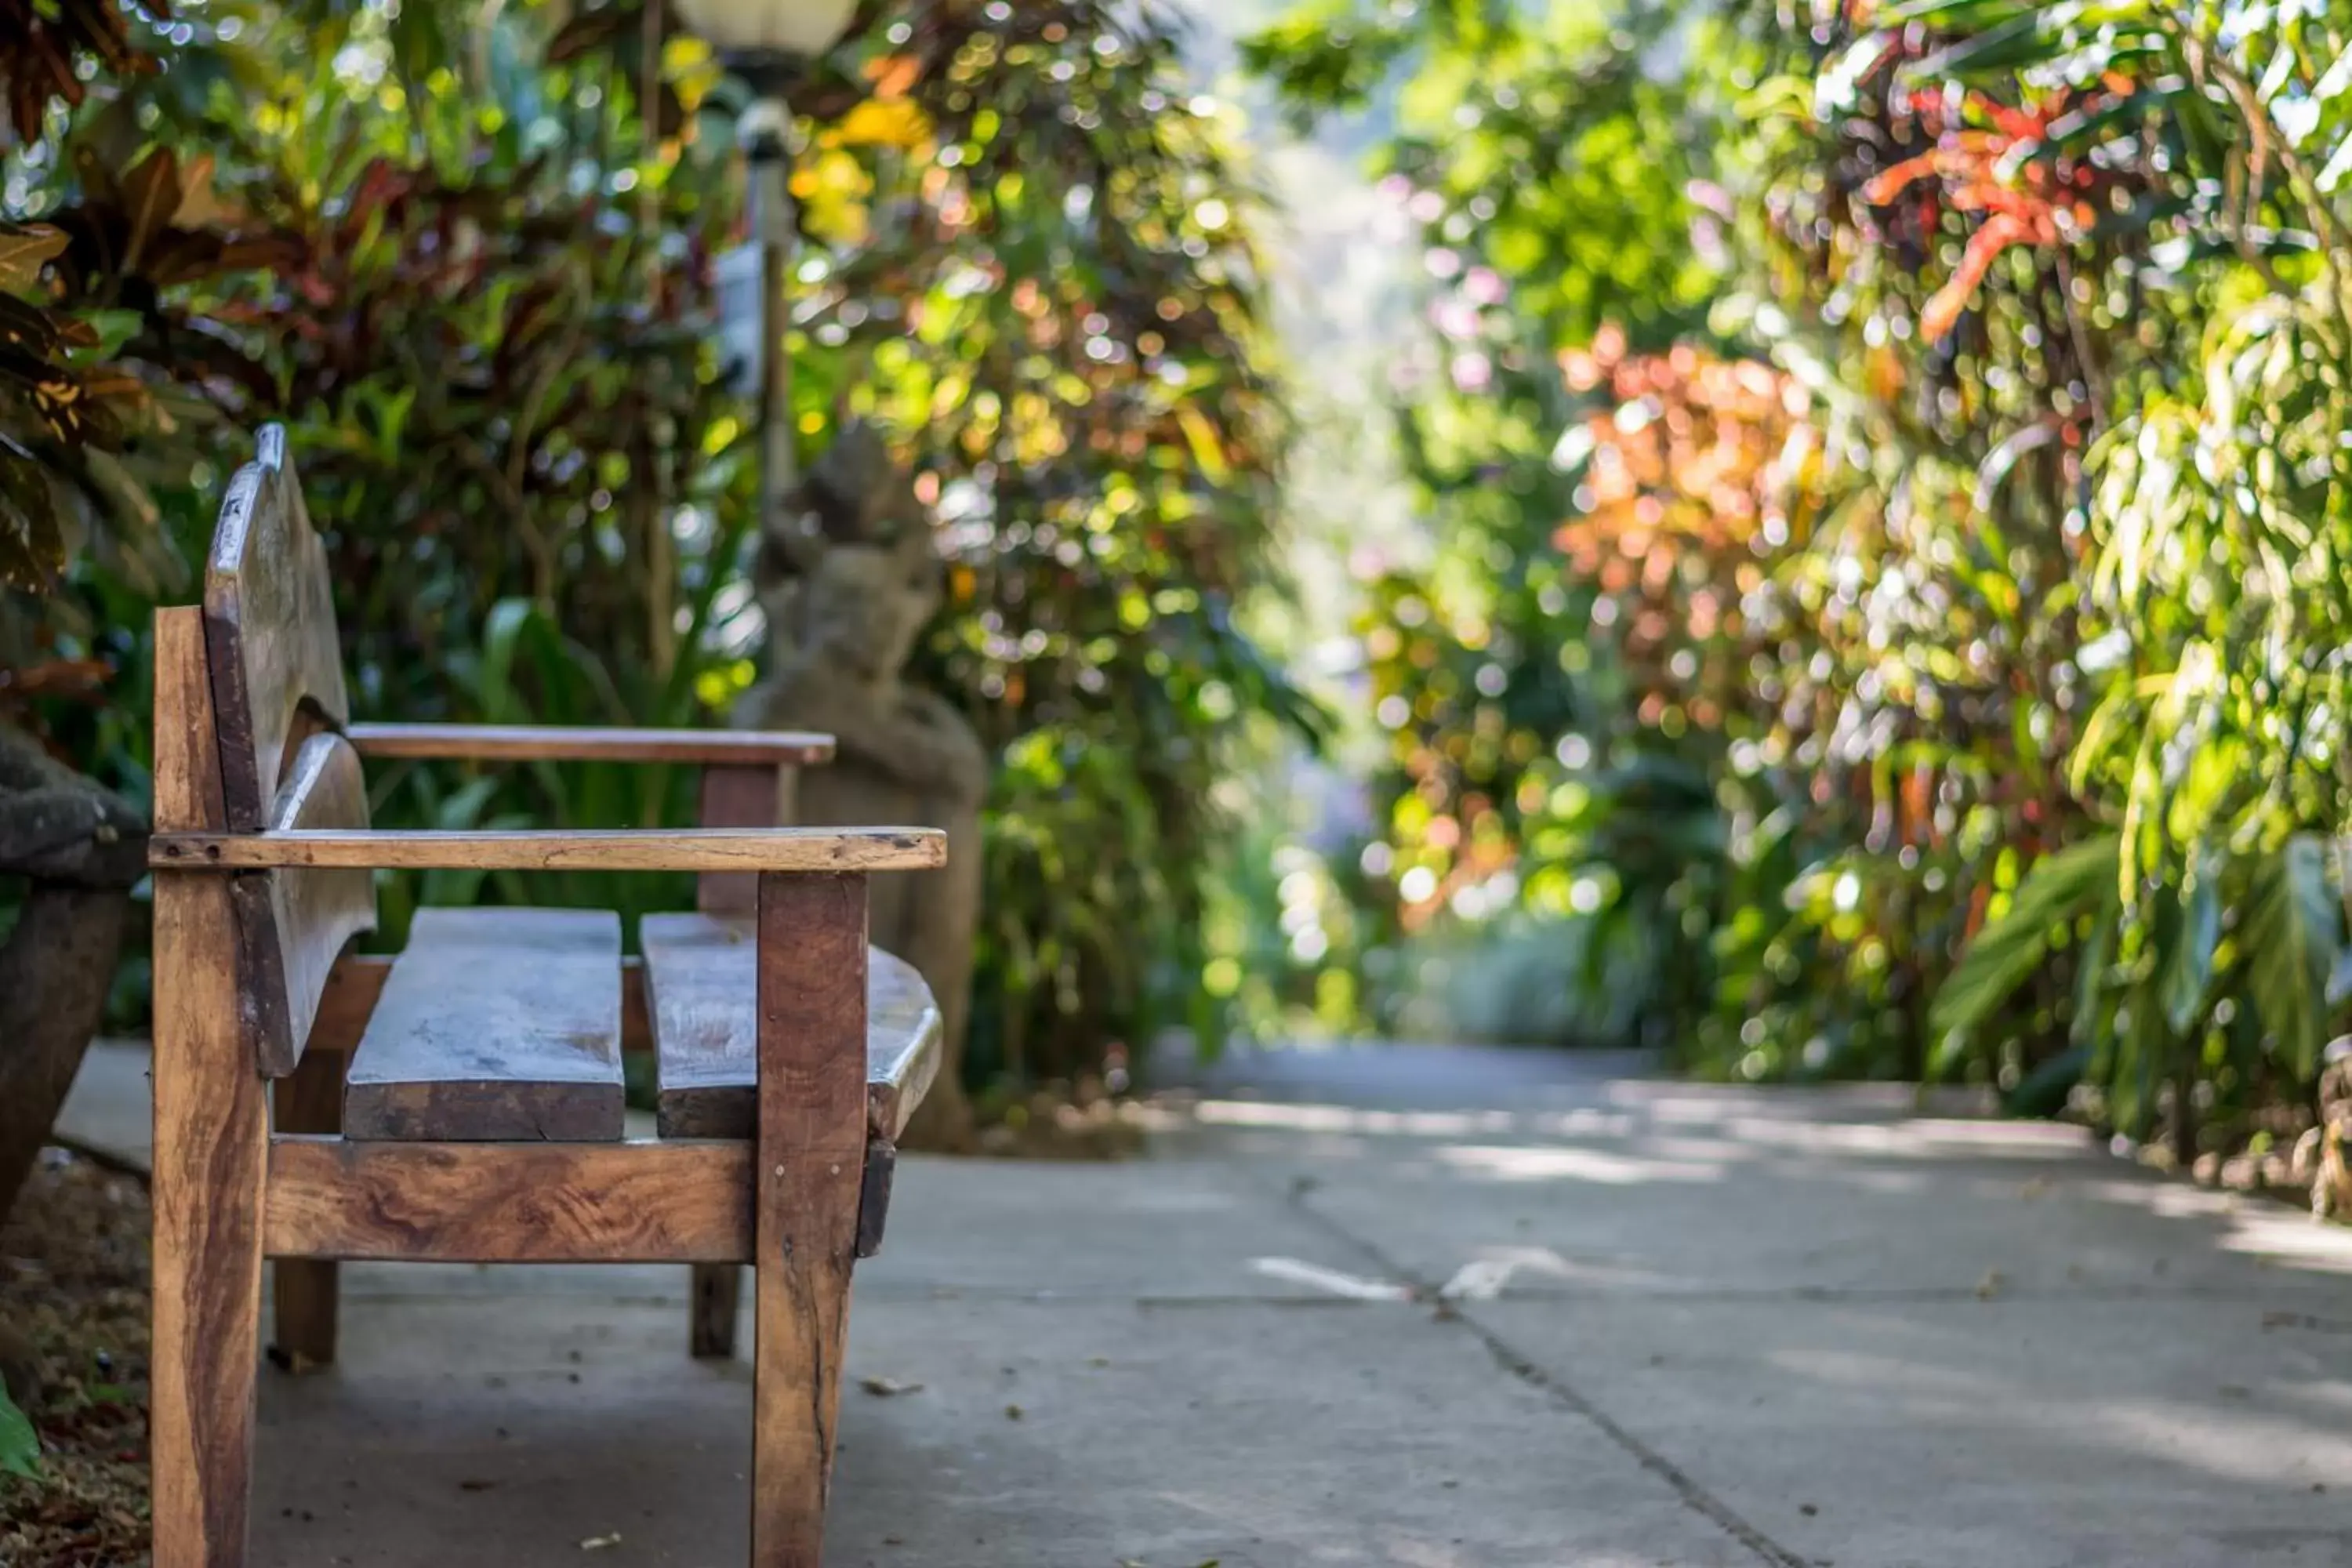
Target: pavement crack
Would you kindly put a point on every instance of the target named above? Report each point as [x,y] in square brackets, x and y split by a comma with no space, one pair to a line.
[1695,1497]
[1518,1364]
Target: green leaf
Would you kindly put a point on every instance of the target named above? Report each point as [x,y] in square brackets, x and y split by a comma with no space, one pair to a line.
[2295,935]
[2092,1006]
[20,1445]
[2190,970]
[2003,954]
[114,332]
[2141,1056]
[24,249]
[2042,1091]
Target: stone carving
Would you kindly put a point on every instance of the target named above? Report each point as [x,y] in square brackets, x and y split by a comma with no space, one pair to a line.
[82,848]
[848,578]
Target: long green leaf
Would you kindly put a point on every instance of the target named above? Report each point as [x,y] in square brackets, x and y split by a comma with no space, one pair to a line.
[2094,1005]
[2294,934]
[2043,1092]
[2190,967]
[2057,888]
[20,1445]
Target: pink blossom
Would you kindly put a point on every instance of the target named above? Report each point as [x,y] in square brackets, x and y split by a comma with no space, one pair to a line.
[1456,318]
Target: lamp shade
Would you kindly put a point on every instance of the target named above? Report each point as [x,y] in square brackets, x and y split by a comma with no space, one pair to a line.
[804,27]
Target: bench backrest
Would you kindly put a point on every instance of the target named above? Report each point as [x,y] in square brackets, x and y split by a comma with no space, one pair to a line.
[279,709]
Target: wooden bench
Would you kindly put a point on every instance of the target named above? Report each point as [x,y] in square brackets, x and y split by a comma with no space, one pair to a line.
[462,1100]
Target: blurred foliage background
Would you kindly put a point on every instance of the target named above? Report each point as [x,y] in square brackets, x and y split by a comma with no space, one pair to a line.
[466,252]
[1888,472]
[1878,477]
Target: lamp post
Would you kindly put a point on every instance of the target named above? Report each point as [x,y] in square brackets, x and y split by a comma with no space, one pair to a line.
[769,43]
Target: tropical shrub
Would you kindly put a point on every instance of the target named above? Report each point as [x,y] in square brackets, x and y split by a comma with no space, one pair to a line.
[489,329]
[2212,581]
[1990,726]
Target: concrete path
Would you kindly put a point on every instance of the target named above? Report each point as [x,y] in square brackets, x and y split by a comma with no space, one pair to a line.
[1432,1308]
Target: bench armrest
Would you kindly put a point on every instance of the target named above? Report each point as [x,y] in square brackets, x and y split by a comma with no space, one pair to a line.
[674,849]
[561,743]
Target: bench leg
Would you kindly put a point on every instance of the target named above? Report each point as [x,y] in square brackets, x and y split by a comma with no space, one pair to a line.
[306,1291]
[212,1147]
[718,1298]
[811,1161]
[212,1153]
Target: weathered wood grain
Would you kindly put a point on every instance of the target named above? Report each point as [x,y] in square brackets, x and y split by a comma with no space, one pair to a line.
[357,981]
[548,743]
[269,624]
[737,797]
[902,1044]
[212,1134]
[731,797]
[625,849]
[701,979]
[494,1025]
[510,1203]
[353,986]
[810,1163]
[307,1292]
[293,923]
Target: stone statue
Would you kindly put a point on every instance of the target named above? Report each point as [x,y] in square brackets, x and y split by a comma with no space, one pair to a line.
[82,846]
[848,577]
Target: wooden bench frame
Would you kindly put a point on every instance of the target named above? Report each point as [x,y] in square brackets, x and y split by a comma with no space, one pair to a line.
[230,1192]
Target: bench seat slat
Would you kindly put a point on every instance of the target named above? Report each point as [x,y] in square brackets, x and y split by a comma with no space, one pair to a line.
[495,1024]
[701,982]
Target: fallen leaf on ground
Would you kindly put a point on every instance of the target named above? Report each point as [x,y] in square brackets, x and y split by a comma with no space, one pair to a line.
[1990,1285]
[884,1387]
